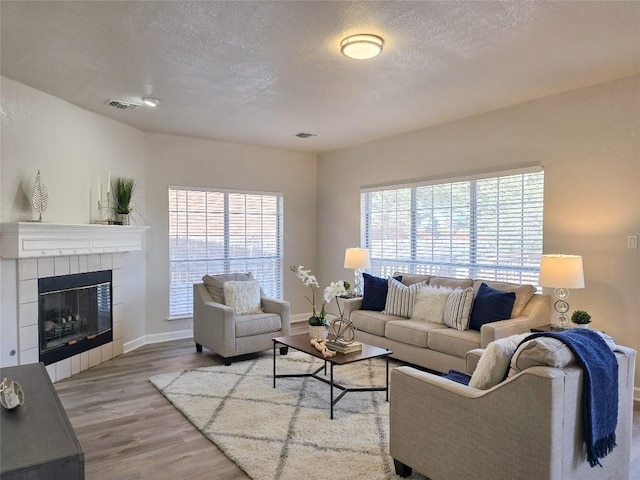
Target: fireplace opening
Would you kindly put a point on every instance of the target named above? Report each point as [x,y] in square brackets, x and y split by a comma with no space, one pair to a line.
[75,314]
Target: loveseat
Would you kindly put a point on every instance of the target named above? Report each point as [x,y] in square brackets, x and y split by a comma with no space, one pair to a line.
[436,346]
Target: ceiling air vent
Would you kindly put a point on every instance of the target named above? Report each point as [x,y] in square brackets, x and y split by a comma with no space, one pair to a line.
[121,105]
[305,135]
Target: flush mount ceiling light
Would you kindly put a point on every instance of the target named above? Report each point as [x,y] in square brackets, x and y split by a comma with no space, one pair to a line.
[362,46]
[151,101]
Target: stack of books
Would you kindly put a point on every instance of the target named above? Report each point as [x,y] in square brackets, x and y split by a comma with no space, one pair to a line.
[344,347]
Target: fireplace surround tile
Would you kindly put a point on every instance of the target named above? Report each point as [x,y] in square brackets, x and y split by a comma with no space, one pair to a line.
[29,356]
[74,266]
[28,268]
[84,361]
[118,346]
[83,262]
[93,263]
[28,314]
[45,267]
[107,352]
[95,357]
[75,364]
[28,337]
[106,261]
[61,266]
[28,291]
[63,369]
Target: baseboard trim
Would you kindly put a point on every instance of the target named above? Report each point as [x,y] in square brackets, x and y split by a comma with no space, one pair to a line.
[300,317]
[636,394]
[156,338]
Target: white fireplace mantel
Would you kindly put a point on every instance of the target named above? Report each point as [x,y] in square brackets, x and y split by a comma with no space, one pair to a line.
[33,239]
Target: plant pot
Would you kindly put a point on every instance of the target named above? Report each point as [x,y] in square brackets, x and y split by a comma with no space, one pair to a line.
[320,332]
[580,325]
[122,219]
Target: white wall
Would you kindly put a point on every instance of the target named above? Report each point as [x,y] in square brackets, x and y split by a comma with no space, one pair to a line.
[173,160]
[588,142]
[71,147]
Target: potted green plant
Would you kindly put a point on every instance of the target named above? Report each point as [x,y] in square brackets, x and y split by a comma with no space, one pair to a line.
[122,189]
[581,318]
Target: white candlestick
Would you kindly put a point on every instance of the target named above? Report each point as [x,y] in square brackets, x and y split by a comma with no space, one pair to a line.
[109,183]
[99,190]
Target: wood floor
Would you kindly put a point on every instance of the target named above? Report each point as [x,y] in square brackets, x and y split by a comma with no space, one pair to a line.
[130,431]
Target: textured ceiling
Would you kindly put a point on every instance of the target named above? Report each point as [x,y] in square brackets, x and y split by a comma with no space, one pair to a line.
[260,72]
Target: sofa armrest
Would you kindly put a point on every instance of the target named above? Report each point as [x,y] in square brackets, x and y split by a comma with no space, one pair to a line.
[472,358]
[279,307]
[351,304]
[537,312]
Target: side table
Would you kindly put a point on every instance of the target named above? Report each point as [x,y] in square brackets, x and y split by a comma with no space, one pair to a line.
[549,328]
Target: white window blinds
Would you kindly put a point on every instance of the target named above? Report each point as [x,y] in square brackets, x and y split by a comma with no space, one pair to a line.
[217,231]
[486,227]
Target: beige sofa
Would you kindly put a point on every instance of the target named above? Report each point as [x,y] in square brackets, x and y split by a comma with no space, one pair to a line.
[528,426]
[436,346]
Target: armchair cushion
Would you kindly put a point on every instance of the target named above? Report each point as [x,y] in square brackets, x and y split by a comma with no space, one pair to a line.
[244,297]
[490,305]
[215,283]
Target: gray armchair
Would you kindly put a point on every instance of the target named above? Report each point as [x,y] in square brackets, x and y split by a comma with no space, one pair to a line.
[217,327]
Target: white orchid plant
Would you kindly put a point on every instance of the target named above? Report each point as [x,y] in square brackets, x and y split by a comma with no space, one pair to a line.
[333,290]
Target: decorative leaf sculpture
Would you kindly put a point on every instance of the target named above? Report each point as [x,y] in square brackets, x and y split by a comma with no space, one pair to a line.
[39,196]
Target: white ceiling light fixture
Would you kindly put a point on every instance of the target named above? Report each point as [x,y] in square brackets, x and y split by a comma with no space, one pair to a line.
[151,101]
[362,46]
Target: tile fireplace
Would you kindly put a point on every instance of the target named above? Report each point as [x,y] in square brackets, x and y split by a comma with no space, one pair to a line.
[78,330]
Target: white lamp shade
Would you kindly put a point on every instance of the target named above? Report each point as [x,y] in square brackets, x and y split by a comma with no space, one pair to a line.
[357,258]
[561,271]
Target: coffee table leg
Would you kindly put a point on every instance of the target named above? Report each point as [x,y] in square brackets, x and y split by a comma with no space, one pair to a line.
[331,383]
[274,364]
[387,391]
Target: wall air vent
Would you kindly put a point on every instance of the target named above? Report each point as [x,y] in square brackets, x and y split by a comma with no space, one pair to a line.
[305,135]
[121,105]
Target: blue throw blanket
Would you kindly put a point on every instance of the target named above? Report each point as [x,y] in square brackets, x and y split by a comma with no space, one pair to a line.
[600,388]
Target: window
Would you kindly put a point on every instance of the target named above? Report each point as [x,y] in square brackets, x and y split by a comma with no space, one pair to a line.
[488,228]
[216,231]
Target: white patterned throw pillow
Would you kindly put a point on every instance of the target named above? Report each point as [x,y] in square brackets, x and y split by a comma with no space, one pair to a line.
[494,363]
[458,308]
[244,297]
[400,298]
[430,303]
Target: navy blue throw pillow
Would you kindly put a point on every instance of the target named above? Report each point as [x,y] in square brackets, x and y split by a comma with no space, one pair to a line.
[374,293]
[490,305]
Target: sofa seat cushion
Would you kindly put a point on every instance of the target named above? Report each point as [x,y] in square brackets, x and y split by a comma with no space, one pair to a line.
[371,322]
[411,332]
[257,324]
[454,342]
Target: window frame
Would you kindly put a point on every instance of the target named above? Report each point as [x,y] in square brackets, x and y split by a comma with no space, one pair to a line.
[527,272]
[272,286]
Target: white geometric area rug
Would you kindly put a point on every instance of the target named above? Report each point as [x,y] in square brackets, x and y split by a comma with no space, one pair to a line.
[285,433]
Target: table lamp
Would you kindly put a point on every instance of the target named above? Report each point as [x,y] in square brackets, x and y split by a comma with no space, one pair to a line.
[561,272]
[358,259]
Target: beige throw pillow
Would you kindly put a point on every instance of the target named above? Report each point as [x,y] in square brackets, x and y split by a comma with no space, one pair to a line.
[244,297]
[494,363]
[430,303]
